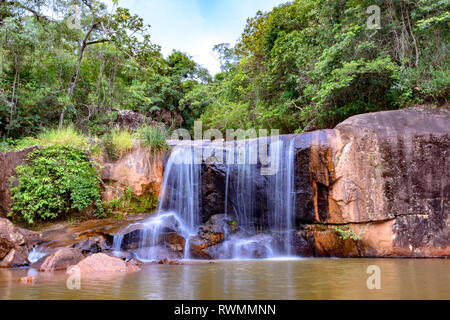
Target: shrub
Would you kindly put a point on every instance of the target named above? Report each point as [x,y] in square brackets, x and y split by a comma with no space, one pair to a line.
[155,138]
[345,233]
[53,182]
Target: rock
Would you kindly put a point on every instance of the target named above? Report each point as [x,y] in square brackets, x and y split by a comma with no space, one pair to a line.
[211,234]
[15,244]
[92,245]
[385,172]
[169,262]
[10,237]
[28,280]
[198,248]
[8,163]
[135,262]
[14,259]
[102,263]
[61,259]
[138,170]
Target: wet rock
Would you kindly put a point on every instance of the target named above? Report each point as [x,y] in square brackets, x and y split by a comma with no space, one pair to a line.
[92,245]
[28,280]
[169,262]
[61,259]
[300,245]
[102,263]
[14,244]
[212,233]
[14,259]
[8,163]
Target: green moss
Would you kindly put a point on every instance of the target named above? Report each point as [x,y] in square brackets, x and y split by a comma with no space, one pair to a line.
[130,203]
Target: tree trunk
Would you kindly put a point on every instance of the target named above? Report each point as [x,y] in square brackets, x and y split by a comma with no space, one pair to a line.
[73,80]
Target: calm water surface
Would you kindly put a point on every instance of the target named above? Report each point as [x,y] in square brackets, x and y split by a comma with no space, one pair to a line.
[299,279]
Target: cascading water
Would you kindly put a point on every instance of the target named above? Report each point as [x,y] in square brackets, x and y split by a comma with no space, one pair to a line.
[263,205]
[250,194]
[178,208]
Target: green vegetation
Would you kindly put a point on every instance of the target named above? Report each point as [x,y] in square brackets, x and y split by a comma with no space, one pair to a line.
[129,203]
[311,64]
[346,233]
[305,65]
[53,182]
[155,138]
[121,142]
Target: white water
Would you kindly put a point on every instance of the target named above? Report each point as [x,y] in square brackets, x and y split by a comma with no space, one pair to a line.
[179,206]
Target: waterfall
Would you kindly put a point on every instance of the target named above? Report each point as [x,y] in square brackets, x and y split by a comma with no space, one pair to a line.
[178,208]
[263,205]
[277,197]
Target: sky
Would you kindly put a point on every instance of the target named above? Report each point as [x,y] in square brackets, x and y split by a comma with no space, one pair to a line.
[195,26]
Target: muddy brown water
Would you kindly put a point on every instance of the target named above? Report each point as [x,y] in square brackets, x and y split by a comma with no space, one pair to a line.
[263,279]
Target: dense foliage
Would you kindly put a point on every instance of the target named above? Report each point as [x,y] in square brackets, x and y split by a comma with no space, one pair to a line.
[51,72]
[54,182]
[312,63]
[306,64]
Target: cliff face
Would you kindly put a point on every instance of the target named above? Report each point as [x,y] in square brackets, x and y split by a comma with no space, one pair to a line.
[383,174]
[137,170]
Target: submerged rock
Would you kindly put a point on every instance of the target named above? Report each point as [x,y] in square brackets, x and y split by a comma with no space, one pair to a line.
[61,259]
[101,262]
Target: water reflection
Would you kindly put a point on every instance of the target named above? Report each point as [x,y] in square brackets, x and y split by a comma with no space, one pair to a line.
[300,279]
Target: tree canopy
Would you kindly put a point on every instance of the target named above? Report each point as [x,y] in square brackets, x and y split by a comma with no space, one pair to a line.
[306,64]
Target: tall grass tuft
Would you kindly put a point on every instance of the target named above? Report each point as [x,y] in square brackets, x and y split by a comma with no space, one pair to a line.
[122,141]
[68,136]
[155,138]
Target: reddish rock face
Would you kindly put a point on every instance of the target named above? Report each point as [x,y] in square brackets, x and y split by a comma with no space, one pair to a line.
[138,170]
[386,173]
[8,163]
[61,259]
[101,262]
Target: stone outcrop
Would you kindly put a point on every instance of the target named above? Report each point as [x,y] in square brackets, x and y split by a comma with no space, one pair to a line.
[8,163]
[215,231]
[61,259]
[15,244]
[383,175]
[138,170]
[102,263]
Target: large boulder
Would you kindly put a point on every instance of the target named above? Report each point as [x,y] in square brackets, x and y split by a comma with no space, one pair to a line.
[8,163]
[15,244]
[102,263]
[384,173]
[61,259]
[218,228]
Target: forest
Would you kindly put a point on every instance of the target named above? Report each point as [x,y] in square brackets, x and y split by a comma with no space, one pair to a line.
[304,65]
[69,67]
